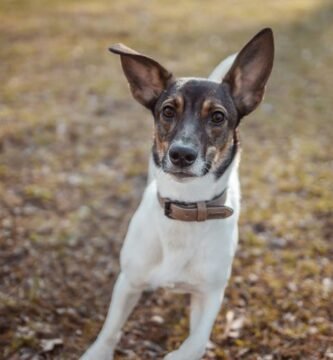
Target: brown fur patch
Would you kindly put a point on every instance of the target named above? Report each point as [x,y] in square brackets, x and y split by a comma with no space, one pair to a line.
[161,146]
[179,101]
[209,106]
[206,108]
[176,101]
[222,153]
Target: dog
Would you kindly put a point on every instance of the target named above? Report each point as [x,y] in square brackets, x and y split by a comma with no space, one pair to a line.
[184,233]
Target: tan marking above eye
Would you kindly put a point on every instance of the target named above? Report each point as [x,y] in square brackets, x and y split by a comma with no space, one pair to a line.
[206,108]
[177,102]
[210,106]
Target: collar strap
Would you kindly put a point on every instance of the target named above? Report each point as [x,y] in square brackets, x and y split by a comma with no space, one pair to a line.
[196,211]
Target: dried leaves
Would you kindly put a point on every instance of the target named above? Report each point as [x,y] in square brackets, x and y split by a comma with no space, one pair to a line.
[73,155]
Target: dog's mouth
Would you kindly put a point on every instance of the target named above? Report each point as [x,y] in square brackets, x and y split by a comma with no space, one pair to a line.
[181,175]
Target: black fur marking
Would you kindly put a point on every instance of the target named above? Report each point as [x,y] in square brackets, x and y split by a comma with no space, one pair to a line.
[232,151]
[155,156]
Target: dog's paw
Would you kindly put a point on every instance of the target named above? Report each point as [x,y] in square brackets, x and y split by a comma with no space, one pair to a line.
[174,355]
[98,352]
[182,355]
[169,356]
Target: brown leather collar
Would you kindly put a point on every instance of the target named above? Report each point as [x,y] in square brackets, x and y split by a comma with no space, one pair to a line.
[196,211]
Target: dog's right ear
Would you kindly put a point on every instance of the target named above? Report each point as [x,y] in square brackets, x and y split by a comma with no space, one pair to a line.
[146,77]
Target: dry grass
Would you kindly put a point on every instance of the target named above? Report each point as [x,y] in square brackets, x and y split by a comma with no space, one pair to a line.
[71,172]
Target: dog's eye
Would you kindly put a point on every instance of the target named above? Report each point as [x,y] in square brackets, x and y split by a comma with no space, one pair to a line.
[168,112]
[218,117]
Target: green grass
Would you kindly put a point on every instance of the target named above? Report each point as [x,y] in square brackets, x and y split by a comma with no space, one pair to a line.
[72,171]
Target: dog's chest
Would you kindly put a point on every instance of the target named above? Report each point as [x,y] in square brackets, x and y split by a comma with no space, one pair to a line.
[189,258]
[185,256]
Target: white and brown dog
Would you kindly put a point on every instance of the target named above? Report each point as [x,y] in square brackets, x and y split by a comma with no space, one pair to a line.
[184,233]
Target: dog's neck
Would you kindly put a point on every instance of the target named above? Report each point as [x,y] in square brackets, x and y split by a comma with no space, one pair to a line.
[202,188]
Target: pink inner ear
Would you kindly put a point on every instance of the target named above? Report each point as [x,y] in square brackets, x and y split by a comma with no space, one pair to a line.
[252,100]
[251,77]
[146,77]
[249,73]
[148,83]
[248,78]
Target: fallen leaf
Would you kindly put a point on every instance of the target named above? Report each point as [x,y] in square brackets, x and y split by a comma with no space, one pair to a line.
[50,344]
[234,325]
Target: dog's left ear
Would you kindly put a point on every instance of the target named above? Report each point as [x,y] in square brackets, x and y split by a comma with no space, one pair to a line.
[250,71]
[146,77]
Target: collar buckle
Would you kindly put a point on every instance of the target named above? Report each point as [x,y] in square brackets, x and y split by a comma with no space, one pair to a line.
[167,209]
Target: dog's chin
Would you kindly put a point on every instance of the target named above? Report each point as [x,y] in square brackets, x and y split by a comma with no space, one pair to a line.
[181,175]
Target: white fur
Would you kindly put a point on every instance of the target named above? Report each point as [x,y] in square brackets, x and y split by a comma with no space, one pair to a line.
[220,71]
[193,257]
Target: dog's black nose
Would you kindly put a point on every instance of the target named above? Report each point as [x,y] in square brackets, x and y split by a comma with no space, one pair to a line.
[182,156]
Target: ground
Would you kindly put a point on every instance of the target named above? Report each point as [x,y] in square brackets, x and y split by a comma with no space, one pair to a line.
[73,156]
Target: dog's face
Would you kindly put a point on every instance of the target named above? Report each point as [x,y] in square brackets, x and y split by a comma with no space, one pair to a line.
[194,124]
[196,119]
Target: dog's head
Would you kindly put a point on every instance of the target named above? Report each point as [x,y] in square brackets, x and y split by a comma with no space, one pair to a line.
[196,119]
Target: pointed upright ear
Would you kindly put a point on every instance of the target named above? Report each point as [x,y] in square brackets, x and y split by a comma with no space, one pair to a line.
[250,71]
[146,77]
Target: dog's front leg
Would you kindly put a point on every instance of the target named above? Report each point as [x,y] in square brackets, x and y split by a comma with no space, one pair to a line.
[124,298]
[204,310]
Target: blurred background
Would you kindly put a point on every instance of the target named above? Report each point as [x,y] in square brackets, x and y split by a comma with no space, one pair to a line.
[73,153]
